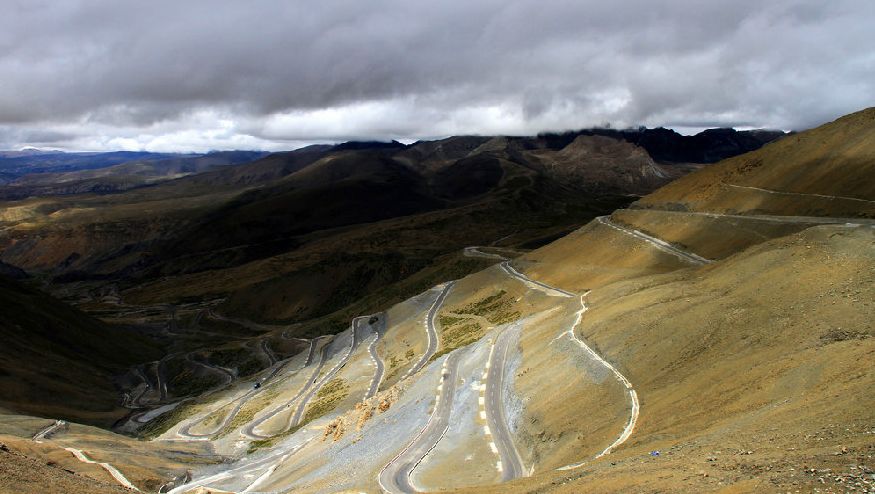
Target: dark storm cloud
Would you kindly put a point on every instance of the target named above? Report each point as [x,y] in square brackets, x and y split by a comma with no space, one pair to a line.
[210,74]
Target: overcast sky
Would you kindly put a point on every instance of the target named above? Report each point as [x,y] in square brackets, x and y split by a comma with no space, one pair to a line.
[197,75]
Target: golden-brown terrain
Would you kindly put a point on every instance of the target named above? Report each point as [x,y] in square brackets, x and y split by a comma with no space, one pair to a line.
[717,336]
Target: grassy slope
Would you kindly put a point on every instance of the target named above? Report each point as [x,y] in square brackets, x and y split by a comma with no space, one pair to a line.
[835,159]
[753,373]
[749,372]
[57,361]
[368,266]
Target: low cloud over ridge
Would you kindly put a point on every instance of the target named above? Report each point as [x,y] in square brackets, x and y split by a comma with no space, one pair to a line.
[202,75]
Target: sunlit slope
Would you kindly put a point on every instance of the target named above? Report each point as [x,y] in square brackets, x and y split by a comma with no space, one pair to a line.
[825,171]
[666,348]
[720,362]
[663,348]
[747,370]
[39,464]
[821,176]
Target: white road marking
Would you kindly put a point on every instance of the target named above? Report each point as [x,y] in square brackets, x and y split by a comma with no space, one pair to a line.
[378,372]
[476,252]
[633,396]
[39,436]
[263,477]
[656,242]
[778,192]
[232,472]
[536,285]
[430,330]
[121,479]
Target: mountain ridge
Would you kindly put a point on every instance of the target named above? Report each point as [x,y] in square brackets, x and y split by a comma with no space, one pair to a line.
[655,347]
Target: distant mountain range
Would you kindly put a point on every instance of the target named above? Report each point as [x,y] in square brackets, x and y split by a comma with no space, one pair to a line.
[313,235]
[662,144]
[501,314]
[17,164]
[709,146]
[158,216]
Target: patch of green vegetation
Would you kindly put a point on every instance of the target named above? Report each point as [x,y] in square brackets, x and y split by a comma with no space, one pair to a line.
[162,423]
[460,335]
[243,417]
[250,409]
[327,399]
[495,308]
[396,365]
[214,418]
[270,442]
[193,385]
[504,317]
[440,353]
[331,387]
[458,331]
[226,357]
[448,320]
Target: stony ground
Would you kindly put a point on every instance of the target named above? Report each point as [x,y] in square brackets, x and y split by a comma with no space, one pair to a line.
[22,474]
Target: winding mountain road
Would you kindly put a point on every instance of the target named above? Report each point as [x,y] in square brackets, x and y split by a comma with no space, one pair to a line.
[805,220]
[633,395]
[379,367]
[113,471]
[249,429]
[265,465]
[136,400]
[656,242]
[802,194]
[226,373]
[537,285]
[46,432]
[162,378]
[305,400]
[265,348]
[310,353]
[430,330]
[395,476]
[185,431]
[511,465]
[474,251]
[242,322]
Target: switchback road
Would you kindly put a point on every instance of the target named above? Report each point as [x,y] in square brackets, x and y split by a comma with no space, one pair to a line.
[395,476]
[658,243]
[431,330]
[305,400]
[502,439]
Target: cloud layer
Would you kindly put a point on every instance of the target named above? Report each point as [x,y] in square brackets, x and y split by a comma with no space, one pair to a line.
[207,74]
